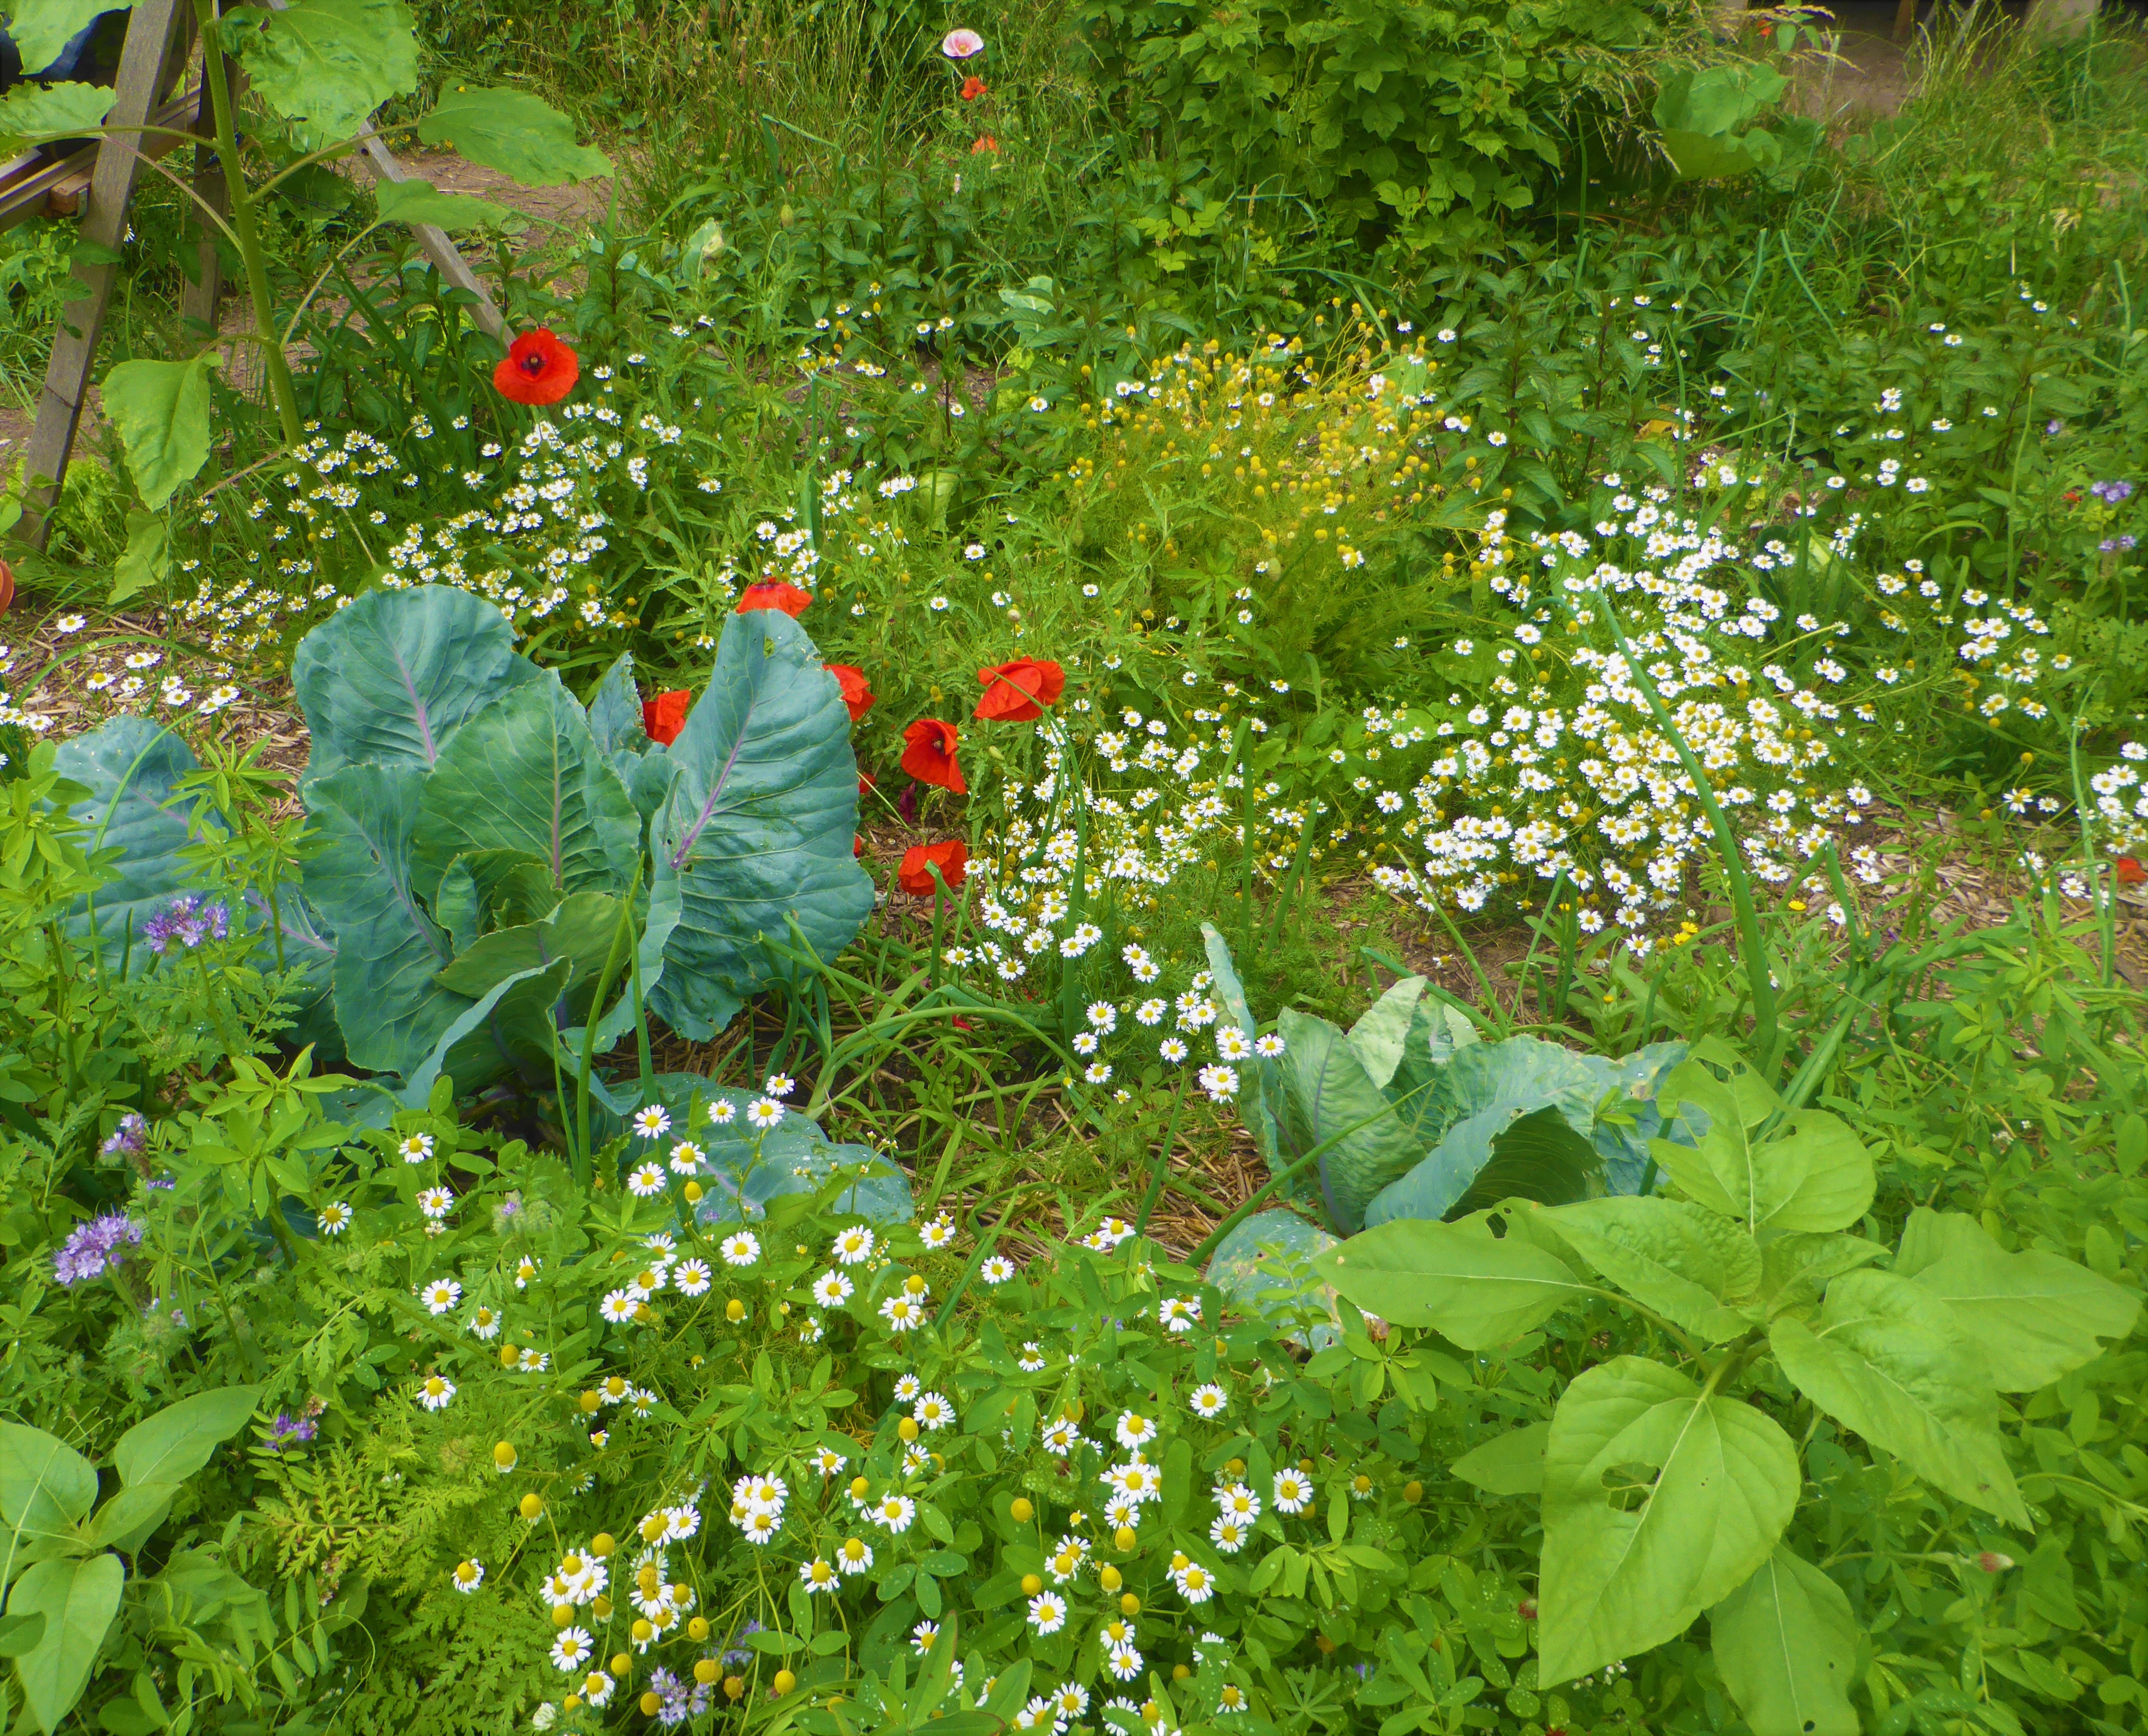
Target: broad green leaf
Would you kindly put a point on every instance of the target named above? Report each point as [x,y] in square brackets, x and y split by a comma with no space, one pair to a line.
[755,830]
[1701,156]
[144,562]
[1477,1291]
[507,1031]
[1786,1642]
[126,1521]
[20,1634]
[1437,1033]
[1384,1027]
[1713,100]
[61,111]
[614,715]
[1888,1361]
[1658,1501]
[486,890]
[524,773]
[1682,1260]
[131,769]
[1265,1262]
[389,948]
[1537,1156]
[161,409]
[171,1446]
[580,931]
[1510,1464]
[390,679]
[416,201]
[1812,1174]
[1796,1265]
[46,1489]
[523,137]
[40,29]
[1260,1095]
[1328,1097]
[2031,1316]
[78,1599]
[326,65]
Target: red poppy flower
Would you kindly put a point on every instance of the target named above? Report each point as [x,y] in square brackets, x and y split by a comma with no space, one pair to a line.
[788,598]
[867,783]
[857,844]
[857,696]
[7,586]
[987,142]
[929,754]
[1016,692]
[951,858]
[973,88]
[539,369]
[2130,873]
[664,716]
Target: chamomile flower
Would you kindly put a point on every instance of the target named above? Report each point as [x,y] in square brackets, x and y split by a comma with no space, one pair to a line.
[1032,1359]
[618,1307]
[1235,1501]
[1066,1561]
[435,1392]
[1208,1402]
[922,1636]
[853,1245]
[653,1123]
[740,1248]
[440,1295]
[1179,1313]
[1294,1491]
[1195,1583]
[468,1575]
[486,1324]
[855,1557]
[334,1218]
[526,1270]
[1173,1049]
[1047,1612]
[693,1278]
[572,1649]
[435,1202]
[687,1157]
[902,1313]
[1231,1043]
[780,1085]
[831,1290]
[894,1513]
[416,1148]
[723,1111]
[645,1180]
[939,1233]
[1060,1437]
[1134,1430]
[1124,1660]
[1269,1047]
[997,1270]
[1229,1535]
[817,1576]
[764,1114]
[933,1411]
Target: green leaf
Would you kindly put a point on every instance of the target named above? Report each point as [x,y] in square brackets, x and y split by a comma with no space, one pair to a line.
[1813,1174]
[755,830]
[131,769]
[161,409]
[144,562]
[1680,1259]
[1480,1291]
[417,202]
[46,1489]
[1535,1157]
[1327,1093]
[1380,1033]
[1889,1362]
[1796,1266]
[524,773]
[2033,1316]
[1260,1096]
[40,29]
[390,679]
[78,1599]
[1786,1642]
[20,1634]
[327,64]
[579,931]
[389,948]
[486,890]
[1658,1501]
[1263,1264]
[1510,1464]
[614,715]
[171,1446]
[61,111]
[523,138]
[508,1030]
[126,1521]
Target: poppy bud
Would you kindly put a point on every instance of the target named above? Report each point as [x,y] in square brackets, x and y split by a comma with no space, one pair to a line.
[1994,1562]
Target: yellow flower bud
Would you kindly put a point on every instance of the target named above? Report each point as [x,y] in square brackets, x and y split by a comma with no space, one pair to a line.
[706,1671]
[602,1544]
[734,1686]
[1032,1584]
[650,1702]
[531,1506]
[591,1402]
[622,1666]
[1123,1539]
[907,1428]
[785,1681]
[697,1630]
[1022,1511]
[1412,1490]
[1130,1604]
[1110,1578]
[504,1455]
[734,1309]
[509,1356]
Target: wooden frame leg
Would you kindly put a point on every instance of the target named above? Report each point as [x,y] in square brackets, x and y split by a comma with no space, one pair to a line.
[142,64]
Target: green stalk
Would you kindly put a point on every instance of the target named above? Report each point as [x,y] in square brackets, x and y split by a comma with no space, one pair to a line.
[1764,1017]
[245,227]
[1162,1163]
[583,1162]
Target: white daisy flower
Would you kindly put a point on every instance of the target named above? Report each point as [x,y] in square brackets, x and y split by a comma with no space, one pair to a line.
[780,1085]
[525,1269]
[1179,1313]
[853,1245]
[922,1636]
[645,1180]
[416,1148]
[831,1290]
[1294,1491]
[1047,1612]
[573,1648]
[1229,1535]
[1235,1501]
[894,1511]
[687,1157]
[933,1411]
[440,1295]
[486,1324]
[740,1248]
[907,1388]
[902,1313]
[1195,1583]
[435,1202]
[653,1123]
[997,1270]
[434,1391]
[1124,1660]
[1208,1402]
[334,1218]
[468,1575]
[619,1306]
[817,1576]
[763,1114]
[938,1232]
[1135,1430]
[693,1278]
[855,1557]
[723,1111]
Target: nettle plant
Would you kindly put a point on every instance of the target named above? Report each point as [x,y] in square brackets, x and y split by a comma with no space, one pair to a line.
[1670,1483]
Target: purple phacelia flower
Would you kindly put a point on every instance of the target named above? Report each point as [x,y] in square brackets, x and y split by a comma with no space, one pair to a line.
[187,920]
[92,1247]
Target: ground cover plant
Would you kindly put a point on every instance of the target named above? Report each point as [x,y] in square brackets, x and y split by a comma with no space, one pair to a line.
[1104,908]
